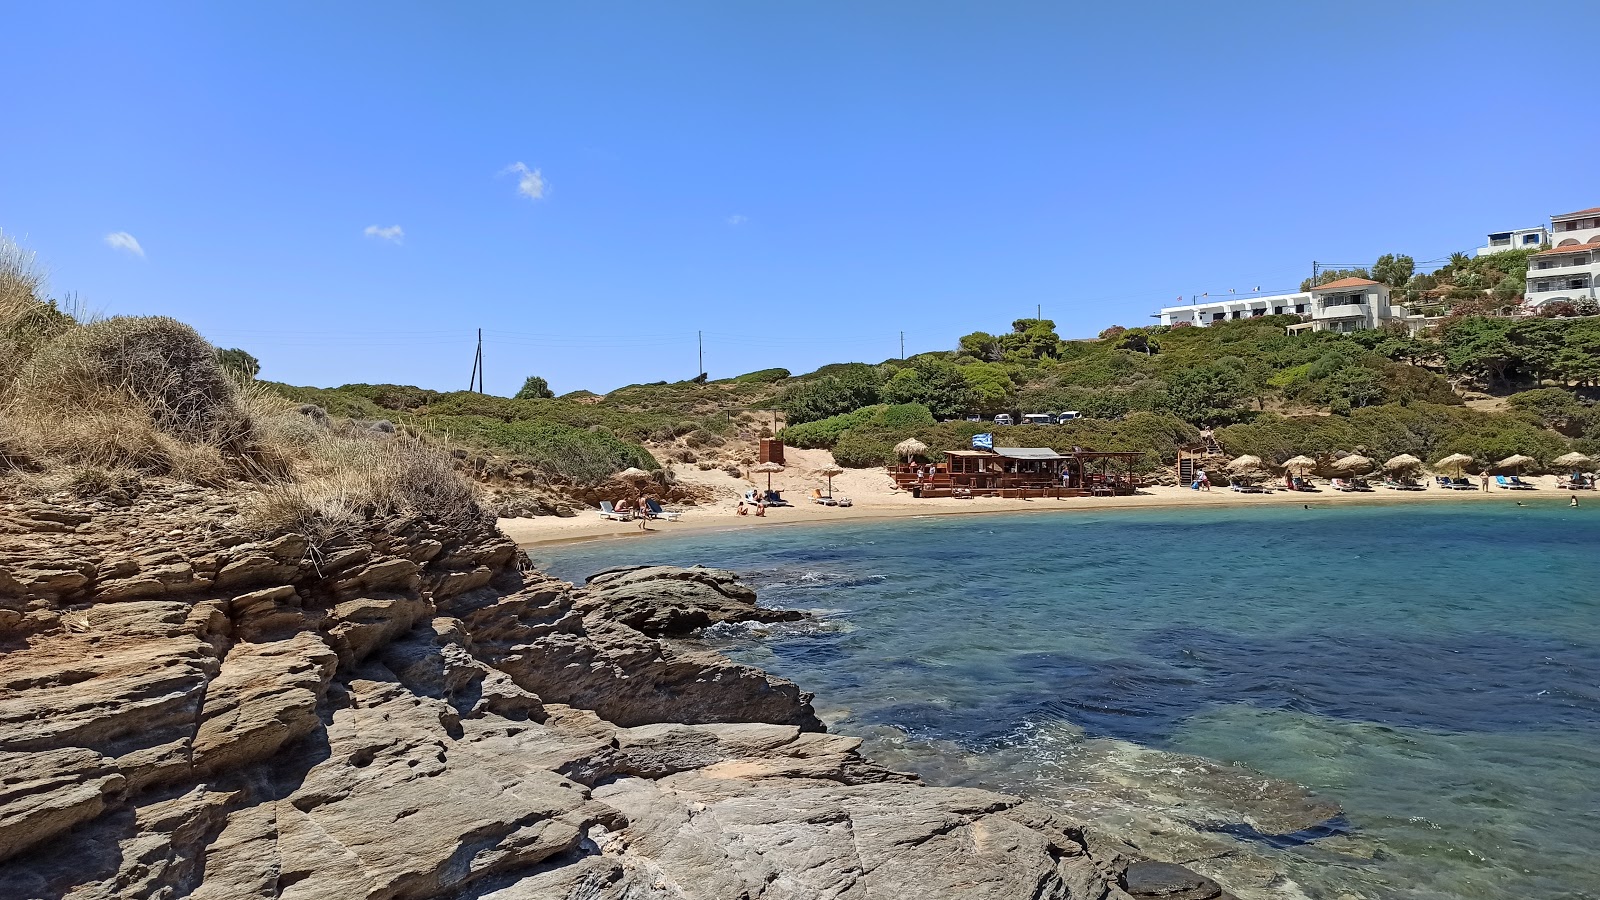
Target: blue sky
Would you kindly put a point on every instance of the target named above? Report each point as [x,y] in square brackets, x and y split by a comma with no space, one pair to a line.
[592,184]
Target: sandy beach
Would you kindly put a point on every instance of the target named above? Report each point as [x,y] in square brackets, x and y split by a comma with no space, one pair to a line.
[874,496]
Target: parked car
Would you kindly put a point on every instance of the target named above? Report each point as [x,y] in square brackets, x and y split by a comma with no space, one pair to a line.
[1038,419]
[1003,419]
[974,418]
[1068,416]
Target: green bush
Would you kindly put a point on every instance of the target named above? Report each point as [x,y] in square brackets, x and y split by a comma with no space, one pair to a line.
[576,454]
[862,450]
[763,376]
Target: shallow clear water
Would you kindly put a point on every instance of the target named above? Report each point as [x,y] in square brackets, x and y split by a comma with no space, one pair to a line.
[1435,670]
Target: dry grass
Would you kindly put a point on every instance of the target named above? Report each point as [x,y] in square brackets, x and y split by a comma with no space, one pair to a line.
[90,408]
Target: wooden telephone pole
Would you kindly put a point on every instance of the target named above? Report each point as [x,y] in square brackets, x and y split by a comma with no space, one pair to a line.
[475,381]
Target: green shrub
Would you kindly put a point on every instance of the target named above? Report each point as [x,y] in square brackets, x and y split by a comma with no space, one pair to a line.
[861,450]
[763,376]
[576,454]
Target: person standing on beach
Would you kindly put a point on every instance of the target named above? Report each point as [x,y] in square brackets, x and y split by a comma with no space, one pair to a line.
[1485,477]
[1201,479]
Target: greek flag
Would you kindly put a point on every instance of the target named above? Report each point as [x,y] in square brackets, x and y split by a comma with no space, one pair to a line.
[983,441]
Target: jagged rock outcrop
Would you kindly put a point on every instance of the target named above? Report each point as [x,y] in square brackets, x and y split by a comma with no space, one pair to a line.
[188,712]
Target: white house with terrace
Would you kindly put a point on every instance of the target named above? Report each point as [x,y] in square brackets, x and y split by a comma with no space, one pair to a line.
[1349,304]
[1569,270]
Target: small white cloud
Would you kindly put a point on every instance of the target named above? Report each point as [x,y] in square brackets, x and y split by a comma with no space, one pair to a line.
[121,240]
[736,220]
[530,182]
[386,233]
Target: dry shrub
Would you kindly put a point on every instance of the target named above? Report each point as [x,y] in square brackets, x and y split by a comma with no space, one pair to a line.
[352,475]
[26,319]
[163,366]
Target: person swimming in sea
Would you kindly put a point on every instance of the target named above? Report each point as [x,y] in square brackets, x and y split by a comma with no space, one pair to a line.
[1574,503]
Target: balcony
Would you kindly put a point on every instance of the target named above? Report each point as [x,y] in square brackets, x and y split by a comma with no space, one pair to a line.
[1548,265]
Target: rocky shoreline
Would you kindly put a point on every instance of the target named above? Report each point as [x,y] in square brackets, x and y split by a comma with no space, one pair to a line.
[186,711]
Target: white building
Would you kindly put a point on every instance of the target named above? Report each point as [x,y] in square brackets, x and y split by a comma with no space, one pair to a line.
[1518,239]
[1354,304]
[1581,227]
[1563,273]
[1349,304]
[1569,270]
[1207,310]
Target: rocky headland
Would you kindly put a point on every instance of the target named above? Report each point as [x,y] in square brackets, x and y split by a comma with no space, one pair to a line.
[187,710]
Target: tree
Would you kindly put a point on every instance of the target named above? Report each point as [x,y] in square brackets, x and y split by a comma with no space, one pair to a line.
[980,345]
[1031,340]
[991,386]
[1393,269]
[1138,340]
[535,388]
[847,389]
[1478,345]
[238,363]
[935,383]
[1205,393]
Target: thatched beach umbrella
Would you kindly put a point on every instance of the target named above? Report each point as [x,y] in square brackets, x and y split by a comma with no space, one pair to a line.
[1574,459]
[1515,462]
[1354,464]
[1299,464]
[768,468]
[1453,461]
[910,447]
[1401,463]
[829,472]
[1246,463]
[635,478]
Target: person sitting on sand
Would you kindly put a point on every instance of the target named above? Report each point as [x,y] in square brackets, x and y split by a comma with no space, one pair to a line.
[742,511]
[761,507]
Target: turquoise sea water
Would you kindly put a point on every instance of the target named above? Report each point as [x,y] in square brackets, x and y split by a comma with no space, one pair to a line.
[1435,670]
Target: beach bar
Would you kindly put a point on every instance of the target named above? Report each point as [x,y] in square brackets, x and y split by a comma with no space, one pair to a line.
[1022,472]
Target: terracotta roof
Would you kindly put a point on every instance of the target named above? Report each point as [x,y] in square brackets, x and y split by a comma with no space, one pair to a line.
[1343,283]
[1582,212]
[1571,248]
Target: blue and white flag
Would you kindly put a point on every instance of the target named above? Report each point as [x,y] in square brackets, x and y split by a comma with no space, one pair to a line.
[983,441]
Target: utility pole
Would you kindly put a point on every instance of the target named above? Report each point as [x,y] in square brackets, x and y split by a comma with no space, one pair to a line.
[902,345]
[475,380]
[700,338]
[1038,311]
[1313,273]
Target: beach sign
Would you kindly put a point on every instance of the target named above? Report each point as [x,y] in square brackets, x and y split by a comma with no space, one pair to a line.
[983,441]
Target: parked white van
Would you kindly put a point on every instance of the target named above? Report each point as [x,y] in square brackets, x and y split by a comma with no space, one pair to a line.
[1038,419]
[1068,416]
[1003,419]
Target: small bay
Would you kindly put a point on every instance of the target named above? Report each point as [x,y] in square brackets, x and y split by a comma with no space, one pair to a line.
[1434,670]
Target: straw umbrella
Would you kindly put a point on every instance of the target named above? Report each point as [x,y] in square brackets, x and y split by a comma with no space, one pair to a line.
[829,472]
[910,447]
[768,468]
[1354,464]
[1454,461]
[1246,466]
[1574,459]
[1515,462]
[636,478]
[1401,463]
[1300,464]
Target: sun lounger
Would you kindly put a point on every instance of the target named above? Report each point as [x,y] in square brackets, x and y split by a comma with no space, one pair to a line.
[1249,488]
[608,511]
[1462,484]
[1339,484]
[655,511]
[1395,484]
[818,498]
[1521,485]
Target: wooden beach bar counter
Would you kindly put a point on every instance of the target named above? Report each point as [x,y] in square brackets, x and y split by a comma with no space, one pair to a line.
[1022,472]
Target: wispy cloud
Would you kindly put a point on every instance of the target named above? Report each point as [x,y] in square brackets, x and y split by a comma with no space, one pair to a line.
[392,233]
[121,240]
[530,182]
[736,220]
